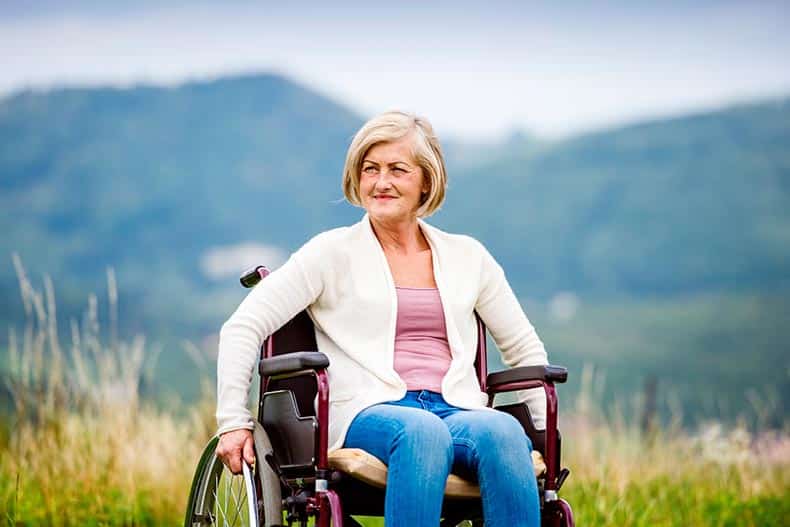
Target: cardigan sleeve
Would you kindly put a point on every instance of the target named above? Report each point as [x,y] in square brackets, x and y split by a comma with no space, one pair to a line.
[512,332]
[268,306]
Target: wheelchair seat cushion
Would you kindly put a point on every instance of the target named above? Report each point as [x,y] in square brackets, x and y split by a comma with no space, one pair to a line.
[371,470]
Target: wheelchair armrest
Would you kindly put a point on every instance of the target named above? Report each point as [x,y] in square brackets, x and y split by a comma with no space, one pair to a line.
[540,372]
[293,362]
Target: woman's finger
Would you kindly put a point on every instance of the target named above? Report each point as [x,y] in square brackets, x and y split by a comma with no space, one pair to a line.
[229,450]
[249,451]
[235,462]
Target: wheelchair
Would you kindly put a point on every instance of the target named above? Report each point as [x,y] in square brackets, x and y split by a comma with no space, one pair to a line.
[295,481]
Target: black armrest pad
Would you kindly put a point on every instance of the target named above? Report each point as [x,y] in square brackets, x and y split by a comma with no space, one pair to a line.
[291,362]
[545,373]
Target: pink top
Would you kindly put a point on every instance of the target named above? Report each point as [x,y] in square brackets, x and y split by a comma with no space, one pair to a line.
[422,353]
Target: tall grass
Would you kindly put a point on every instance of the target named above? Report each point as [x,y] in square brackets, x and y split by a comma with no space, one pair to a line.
[623,475]
[84,447]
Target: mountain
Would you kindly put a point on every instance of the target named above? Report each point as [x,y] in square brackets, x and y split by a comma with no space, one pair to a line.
[672,235]
[693,204]
[149,180]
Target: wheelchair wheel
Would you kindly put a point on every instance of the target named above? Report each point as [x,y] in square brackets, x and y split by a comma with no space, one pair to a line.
[218,497]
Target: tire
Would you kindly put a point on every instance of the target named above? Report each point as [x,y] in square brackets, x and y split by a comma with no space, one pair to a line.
[219,498]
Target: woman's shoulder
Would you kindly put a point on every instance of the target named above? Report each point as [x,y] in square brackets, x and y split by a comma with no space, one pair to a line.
[456,240]
[463,248]
[330,236]
[326,241]
[334,240]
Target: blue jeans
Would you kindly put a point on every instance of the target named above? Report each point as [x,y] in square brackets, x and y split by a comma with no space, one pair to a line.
[422,439]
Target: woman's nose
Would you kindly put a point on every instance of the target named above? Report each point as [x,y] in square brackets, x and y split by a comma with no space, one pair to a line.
[384,180]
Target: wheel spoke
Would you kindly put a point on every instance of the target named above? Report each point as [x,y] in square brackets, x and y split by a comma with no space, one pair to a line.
[241,502]
[227,482]
[230,499]
[236,498]
[220,508]
[219,498]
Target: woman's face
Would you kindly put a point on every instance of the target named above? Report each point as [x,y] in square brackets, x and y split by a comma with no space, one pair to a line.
[392,183]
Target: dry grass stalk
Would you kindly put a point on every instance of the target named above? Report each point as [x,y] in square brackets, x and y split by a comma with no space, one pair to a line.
[81,435]
[85,446]
[604,448]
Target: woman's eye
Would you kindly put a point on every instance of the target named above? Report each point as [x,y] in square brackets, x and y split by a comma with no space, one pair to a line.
[369,169]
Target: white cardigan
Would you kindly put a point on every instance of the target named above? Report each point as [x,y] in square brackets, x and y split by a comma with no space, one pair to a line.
[343,279]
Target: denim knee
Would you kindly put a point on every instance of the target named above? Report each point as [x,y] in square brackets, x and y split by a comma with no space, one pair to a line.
[426,436]
[501,431]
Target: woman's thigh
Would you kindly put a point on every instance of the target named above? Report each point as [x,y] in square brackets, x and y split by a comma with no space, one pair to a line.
[380,428]
[483,435]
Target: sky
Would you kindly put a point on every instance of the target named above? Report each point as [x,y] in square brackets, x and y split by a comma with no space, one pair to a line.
[478,70]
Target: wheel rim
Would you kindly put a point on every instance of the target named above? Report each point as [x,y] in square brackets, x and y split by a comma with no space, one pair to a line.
[231,506]
[224,499]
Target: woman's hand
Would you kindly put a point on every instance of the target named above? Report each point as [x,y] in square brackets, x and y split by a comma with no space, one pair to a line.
[232,445]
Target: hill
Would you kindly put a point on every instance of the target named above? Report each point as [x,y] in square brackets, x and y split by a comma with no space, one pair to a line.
[178,189]
[150,180]
[687,205]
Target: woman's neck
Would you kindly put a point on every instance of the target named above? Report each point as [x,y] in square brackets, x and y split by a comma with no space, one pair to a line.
[400,237]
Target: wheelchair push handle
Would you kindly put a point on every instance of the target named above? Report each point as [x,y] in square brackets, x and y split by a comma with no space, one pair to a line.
[252,276]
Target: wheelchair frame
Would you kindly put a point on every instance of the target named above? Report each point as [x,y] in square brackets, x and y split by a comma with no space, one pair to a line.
[323,501]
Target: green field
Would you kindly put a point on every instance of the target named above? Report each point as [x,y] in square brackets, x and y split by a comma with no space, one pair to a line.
[720,357]
[83,445]
[121,462]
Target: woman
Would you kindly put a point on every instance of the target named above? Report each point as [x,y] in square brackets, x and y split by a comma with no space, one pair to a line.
[393,302]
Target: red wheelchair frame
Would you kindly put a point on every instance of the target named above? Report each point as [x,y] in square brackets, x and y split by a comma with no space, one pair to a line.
[294,382]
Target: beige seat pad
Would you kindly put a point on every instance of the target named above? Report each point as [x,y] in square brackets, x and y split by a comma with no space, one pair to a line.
[368,468]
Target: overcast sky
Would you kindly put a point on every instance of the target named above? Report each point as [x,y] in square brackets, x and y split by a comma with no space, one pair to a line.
[476,69]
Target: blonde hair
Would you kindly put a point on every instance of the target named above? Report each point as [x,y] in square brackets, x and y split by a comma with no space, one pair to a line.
[391,126]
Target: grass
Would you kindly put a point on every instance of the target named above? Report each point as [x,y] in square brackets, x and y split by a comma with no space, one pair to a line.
[713,355]
[670,477]
[84,447]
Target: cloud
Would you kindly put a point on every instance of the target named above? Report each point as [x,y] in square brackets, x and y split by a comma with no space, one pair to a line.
[563,306]
[221,262]
[477,70]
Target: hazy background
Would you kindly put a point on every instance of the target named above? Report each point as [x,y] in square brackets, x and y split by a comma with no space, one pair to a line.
[627,163]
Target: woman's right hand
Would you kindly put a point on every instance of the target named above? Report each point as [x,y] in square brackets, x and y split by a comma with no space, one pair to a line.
[233,445]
